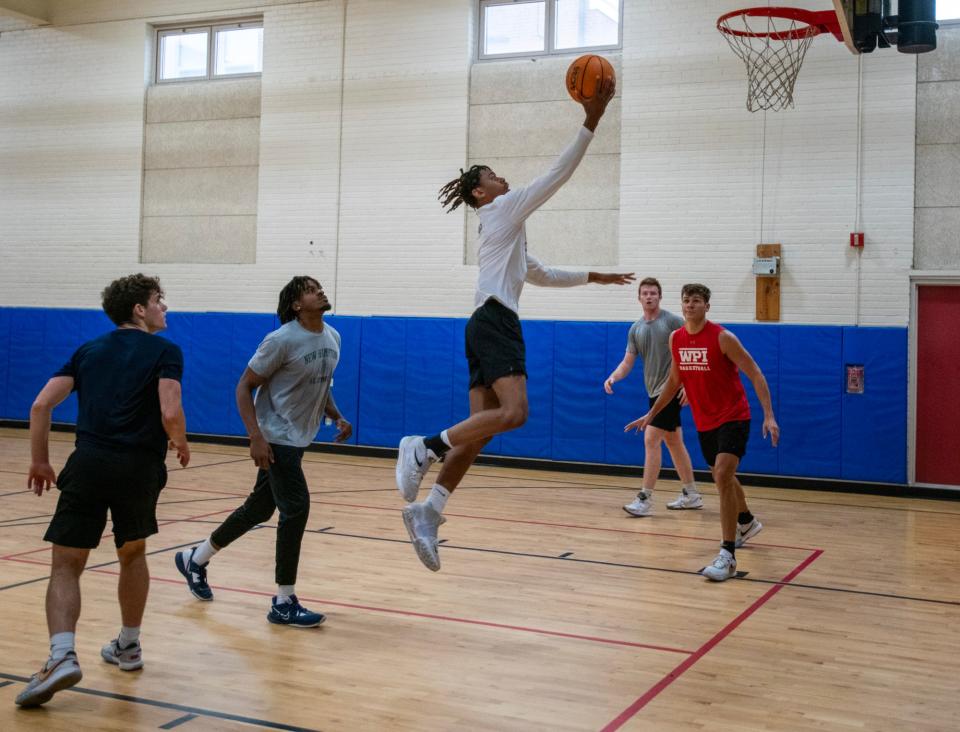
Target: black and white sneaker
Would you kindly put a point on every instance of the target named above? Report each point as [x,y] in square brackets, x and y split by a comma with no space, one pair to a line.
[195,574]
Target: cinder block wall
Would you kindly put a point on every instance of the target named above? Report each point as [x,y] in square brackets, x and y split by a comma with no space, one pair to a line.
[938,155]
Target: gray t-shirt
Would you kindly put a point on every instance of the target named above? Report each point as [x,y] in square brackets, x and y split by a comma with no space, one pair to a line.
[650,339]
[298,365]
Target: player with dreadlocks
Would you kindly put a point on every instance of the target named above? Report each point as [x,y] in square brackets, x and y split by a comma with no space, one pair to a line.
[293,370]
[494,341]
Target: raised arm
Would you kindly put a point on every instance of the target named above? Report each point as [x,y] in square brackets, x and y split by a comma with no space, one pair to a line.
[174,420]
[734,350]
[41,475]
[621,372]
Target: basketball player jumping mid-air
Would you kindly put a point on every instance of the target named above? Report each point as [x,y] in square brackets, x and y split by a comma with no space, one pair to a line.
[707,360]
[494,340]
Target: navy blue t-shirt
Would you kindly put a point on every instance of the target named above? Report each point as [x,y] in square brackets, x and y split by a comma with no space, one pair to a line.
[116,379]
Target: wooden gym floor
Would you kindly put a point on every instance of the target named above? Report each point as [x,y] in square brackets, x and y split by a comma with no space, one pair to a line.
[554,610]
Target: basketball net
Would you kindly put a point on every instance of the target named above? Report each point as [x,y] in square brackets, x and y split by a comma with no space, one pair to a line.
[772,48]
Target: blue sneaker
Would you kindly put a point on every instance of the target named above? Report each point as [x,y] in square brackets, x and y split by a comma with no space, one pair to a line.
[195,574]
[294,614]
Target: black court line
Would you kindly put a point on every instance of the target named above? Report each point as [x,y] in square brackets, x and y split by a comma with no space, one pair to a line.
[531,555]
[16,493]
[5,683]
[25,518]
[177,722]
[17,526]
[197,711]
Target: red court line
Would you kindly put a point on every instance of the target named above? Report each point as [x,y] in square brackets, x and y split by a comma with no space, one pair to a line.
[655,690]
[161,523]
[405,613]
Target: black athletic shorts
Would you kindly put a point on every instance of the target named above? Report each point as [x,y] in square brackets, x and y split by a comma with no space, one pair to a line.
[494,343]
[669,417]
[729,437]
[95,480]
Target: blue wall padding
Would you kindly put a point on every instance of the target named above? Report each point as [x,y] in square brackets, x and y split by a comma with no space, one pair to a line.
[763,343]
[534,439]
[874,427]
[29,368]
[4,358]
[346,380]
[579,361]
[382,385]
[408,375]
[809,416]
[628,401]
[428,375]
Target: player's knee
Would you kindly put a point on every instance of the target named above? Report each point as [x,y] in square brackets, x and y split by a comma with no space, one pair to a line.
[131,551]
[514,417]
[651,439]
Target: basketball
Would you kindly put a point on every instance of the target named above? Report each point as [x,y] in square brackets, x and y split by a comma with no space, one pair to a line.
[585,74]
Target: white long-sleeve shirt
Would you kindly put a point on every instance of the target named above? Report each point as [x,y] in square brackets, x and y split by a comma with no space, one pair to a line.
[502,250]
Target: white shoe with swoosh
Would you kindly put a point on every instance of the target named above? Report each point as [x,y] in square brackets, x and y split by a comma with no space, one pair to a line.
[413,462]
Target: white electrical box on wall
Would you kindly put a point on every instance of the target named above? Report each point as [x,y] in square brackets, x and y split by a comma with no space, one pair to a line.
[766,266]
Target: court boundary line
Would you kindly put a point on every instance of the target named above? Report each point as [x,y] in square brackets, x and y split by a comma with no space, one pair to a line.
[199,711]
[654,691]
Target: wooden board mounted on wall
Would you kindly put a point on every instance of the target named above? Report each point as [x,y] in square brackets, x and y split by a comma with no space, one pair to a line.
[768,288]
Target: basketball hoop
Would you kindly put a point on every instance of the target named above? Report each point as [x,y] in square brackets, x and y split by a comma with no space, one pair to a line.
[772,42]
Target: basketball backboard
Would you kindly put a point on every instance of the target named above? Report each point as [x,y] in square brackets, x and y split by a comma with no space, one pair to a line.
[847,19]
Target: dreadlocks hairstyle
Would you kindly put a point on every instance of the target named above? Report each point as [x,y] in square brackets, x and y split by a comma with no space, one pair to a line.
[120,296]
[460,189]
[290,294]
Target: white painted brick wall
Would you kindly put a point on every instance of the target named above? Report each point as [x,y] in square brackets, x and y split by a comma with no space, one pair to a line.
[695,167]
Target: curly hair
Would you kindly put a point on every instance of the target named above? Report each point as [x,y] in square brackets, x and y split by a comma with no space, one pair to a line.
[695,288]
[460,189]
[290,293]
[122,295]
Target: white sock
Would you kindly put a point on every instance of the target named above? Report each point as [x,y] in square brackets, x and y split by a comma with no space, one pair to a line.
[204,553]
[61,644]
[285,593]
[437,500]
[128,636]
[690,487]
[446,440]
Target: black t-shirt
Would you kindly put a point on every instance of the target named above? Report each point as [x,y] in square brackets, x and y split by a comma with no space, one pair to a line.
[116,378]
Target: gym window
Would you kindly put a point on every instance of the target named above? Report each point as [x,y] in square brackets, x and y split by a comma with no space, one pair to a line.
[224,50]
[510,28]
[948,10]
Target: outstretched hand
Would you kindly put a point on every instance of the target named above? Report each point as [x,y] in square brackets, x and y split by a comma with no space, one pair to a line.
[610,278]
[639,424]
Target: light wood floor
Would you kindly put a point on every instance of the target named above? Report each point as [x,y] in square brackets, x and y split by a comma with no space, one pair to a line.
[554,610]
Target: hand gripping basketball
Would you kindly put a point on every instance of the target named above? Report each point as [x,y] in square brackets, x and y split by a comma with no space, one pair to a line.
[585,76]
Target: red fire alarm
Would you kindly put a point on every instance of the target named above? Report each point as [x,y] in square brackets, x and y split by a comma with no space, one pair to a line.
[856,239]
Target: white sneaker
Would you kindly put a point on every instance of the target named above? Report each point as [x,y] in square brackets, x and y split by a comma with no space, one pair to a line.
[747,531]
[53,677]
[686,499]
[640,506]
[413,462]
[422,523]
[723,568]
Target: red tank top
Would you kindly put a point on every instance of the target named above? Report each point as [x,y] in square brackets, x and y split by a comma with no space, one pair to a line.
[711,380]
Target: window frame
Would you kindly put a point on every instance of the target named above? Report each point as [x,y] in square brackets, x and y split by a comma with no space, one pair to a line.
[550,30]
[211,27]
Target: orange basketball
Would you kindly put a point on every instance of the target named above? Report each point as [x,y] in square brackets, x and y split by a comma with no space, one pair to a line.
[585,74]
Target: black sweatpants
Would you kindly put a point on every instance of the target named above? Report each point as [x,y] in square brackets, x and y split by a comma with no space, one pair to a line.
[282,487]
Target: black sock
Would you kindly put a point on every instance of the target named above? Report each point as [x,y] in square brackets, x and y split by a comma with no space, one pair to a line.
[730,546]
[436,444]
[745,517]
